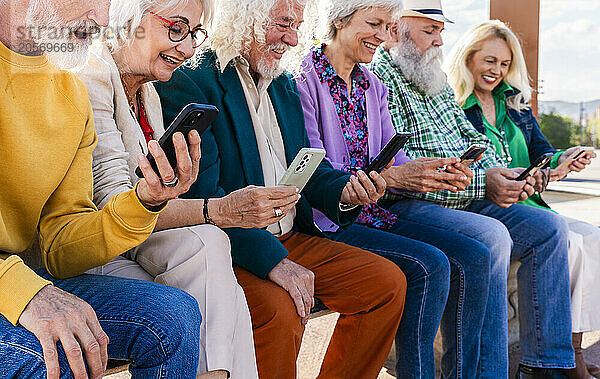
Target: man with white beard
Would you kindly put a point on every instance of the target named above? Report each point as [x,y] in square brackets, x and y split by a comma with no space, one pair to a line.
[47,133]
[423,104]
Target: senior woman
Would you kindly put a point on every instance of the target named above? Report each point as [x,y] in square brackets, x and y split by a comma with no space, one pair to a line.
[488,73]
[346,113]
[146,41]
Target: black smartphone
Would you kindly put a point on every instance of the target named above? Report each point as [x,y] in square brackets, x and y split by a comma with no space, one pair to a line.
[539,164]
[388,152]
[472,154]
[192,116]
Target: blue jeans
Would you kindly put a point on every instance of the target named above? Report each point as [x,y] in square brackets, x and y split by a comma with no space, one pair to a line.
[434,262]
[155,327]
[478,249]
[541,245]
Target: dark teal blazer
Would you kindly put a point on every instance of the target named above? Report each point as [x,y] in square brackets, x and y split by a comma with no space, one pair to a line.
[230,158]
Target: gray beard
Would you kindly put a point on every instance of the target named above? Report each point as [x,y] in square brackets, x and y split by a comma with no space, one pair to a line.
[42,14]
[423,70]
[270,71]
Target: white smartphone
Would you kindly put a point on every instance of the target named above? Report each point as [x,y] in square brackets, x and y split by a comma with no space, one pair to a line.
[303,166]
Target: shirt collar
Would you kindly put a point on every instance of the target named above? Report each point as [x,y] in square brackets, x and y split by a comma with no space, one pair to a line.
[500,92]
[243,64]
[327,73]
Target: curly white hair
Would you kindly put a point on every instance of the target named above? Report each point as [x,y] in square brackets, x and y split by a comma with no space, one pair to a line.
[239,22]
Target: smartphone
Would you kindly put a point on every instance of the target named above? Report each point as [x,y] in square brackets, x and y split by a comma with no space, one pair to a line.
[302,167]
[472,154]
[579,153]
[192,116]
[388,153]
[539,164]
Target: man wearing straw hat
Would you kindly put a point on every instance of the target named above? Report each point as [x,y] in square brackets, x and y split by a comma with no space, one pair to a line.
[422,103]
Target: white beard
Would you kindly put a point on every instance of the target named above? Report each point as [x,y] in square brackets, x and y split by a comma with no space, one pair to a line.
[424,70]
[269,70]
[50,30]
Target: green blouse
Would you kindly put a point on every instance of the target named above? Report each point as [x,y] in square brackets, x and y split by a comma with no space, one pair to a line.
[506,137]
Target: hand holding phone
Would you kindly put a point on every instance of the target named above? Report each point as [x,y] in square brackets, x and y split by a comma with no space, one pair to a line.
[540,163]
[388,153]
[580,152]
[302,167]
[192,117]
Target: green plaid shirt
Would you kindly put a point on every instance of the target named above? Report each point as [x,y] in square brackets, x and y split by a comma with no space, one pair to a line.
[439,128]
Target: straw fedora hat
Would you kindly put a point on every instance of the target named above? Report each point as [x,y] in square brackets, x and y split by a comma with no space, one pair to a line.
[424,8]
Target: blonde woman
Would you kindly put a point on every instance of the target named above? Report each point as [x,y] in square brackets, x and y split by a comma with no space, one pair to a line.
[147,41]
[487,71]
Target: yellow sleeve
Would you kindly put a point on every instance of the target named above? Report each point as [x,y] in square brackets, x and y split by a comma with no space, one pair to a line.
[18,285]
[74,235]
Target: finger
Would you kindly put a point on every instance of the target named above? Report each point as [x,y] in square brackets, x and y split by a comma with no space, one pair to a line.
[390,164]
[359,190]
[184,160]
[194,148]
[379,181]
[50,356]
[149,174]
[529,190]
[440,186]
[298,300]
[91,350]
[100,336]
[307,299]
[165,171]
[285,201]
[74,353]
[352,195]
[367,184]
[280,192]
[451,177]
[442,162]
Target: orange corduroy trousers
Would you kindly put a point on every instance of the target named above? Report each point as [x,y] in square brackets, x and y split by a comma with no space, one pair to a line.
[367,290]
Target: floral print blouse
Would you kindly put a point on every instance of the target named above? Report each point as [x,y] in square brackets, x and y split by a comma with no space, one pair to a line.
[352,111]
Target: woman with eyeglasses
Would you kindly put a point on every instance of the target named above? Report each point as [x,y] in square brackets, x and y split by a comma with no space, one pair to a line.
[146,41]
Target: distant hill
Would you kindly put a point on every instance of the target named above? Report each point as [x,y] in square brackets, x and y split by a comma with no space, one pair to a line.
[568,109]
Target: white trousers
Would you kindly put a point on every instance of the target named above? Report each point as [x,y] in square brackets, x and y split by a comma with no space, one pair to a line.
[584,267]
[198,260]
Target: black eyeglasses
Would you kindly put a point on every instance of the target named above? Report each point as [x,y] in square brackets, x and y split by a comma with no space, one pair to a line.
[179,30]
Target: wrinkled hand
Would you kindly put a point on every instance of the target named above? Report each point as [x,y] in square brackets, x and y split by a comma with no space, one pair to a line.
[253,207]
[580,163]
[361,190]
[557,175]
[460,168]
[299,282]
[151,190]
[424,175]
[503,190]
[55,315]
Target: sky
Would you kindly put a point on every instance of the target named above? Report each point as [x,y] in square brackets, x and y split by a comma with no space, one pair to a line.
[569,44]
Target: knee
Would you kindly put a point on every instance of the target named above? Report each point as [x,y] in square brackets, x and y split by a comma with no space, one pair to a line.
[391,280]
[277,312]
[436,265]
[214,241]
[173,322]
[496,237]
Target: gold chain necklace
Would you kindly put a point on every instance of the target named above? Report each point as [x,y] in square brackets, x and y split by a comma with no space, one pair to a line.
[132,100]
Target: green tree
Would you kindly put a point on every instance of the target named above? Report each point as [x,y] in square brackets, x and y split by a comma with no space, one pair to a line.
[557,129]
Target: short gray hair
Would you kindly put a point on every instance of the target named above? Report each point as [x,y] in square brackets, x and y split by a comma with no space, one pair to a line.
[126,17]
[330,11]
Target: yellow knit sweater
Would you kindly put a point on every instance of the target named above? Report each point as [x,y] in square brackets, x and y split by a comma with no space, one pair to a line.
[46,141]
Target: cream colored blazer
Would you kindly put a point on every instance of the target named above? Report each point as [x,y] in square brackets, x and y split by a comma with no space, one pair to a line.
[120,137]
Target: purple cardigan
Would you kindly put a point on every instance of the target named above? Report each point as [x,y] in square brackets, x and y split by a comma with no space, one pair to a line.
[323,124]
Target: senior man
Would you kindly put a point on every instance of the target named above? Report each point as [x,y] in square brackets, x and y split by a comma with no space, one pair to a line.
[422,103]
[47,132]
[256,136]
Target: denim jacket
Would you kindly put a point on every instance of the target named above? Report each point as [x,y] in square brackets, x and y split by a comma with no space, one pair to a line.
[525,120]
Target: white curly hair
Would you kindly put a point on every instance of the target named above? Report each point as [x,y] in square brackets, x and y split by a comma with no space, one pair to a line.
[239,22]
[126,17]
